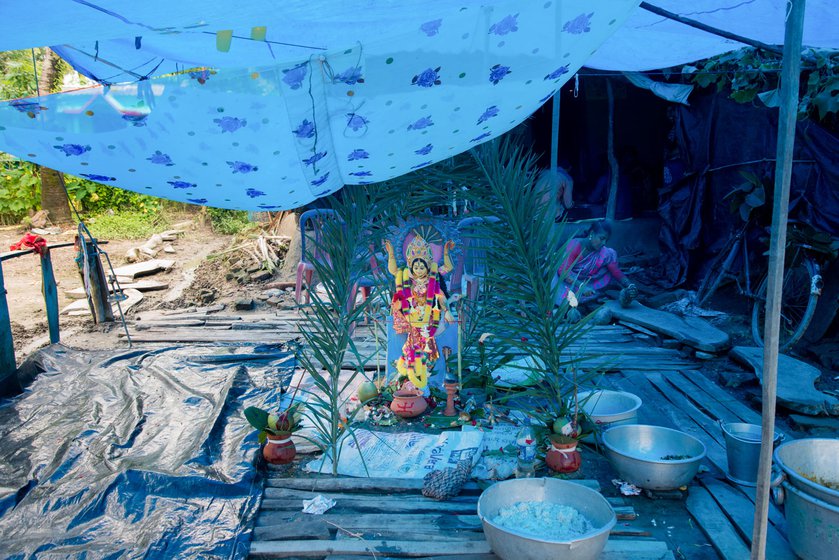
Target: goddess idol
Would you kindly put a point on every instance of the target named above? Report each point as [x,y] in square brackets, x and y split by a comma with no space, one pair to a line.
[418,305]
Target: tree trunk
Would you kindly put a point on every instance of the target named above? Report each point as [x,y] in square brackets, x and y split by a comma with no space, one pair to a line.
[53,195]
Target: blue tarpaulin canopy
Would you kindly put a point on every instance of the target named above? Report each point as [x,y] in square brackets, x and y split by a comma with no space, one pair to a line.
[348,92]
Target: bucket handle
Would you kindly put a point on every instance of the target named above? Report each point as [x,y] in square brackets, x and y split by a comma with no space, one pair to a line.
[776,485]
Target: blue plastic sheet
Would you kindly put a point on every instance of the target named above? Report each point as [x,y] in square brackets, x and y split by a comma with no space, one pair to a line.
[136,454]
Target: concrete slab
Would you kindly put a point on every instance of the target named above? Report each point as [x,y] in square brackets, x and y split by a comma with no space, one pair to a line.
[795,389]
[691,331]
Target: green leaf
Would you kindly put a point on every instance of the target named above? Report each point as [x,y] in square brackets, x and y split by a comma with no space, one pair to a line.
[256,417]
[756,198]
[744,95]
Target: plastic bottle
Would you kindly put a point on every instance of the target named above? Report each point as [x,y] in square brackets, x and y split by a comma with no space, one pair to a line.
[526,443]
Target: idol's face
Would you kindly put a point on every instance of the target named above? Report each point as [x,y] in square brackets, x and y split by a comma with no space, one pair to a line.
[419,268]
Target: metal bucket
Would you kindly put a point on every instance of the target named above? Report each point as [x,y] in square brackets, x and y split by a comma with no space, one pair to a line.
[742,446]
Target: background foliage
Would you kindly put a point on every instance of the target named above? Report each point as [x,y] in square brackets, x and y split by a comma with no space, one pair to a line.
[751,75]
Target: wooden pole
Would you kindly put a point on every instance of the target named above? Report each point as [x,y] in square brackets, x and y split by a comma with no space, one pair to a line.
[8,366]
[612,203]
[555,151]
[50,295]
[790,80]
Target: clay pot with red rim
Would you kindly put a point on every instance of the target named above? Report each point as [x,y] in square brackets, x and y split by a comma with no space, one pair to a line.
[408,403]
[279,449]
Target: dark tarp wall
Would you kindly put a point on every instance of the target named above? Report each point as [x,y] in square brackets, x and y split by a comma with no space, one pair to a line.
[135,454]
[712,141]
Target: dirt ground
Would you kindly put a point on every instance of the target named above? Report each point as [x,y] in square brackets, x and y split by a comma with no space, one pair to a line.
[191,273]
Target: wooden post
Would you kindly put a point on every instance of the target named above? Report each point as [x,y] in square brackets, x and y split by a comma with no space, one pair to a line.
[100,306]
[790,81]
[611,205]
[8,366]
[50,291]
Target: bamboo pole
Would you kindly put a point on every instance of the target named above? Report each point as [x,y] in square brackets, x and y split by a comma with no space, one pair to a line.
[611,205]
[790,79]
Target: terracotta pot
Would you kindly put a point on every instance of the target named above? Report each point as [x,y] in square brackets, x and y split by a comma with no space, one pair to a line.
[279,450]
[563,457]
[408,403]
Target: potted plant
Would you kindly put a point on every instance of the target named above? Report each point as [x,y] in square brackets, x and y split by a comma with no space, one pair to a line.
[275,431]
[562,455]
[524,251]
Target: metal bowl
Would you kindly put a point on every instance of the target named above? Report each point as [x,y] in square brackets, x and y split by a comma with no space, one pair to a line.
[514,545]
[638,454]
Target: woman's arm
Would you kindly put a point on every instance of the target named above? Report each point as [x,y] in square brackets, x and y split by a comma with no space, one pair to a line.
[572,250]
[447,261]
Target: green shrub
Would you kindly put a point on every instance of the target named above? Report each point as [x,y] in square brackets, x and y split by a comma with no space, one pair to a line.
[228,222]
[126,225]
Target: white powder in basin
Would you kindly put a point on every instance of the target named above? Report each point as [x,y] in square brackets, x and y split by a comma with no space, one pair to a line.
[543,520]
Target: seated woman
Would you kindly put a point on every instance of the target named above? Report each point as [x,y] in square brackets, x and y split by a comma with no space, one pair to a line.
[419,302]
[589,267]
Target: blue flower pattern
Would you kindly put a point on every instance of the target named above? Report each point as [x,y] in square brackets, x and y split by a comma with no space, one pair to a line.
[429,77]
[305,129]
[425,150]
[423,164]
[72,149]
[253,193]
[230,124]
[315,158]
[481,137]
[294,77]
[431,28]
[182,184]
[160,158]
[361,173]
[578,25]
[242,167]
[497,73]
[421,123]
[488,114]
[356,122]
[320,180]
[350,76]
[197,200]
[98,178]
[507,25]
[558,73]
[357,154]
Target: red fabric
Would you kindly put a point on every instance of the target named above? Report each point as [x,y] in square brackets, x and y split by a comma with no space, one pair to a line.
[36,242]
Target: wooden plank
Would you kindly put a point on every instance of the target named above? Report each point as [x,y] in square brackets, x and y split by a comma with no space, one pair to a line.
[695,393]
[741,511]
[289,494]
[370,521]
[489,556]
[382,506]
[381,485]
[50,290]
[708,433]
[716,526]
[302,528]
[729,401]
[615,549]
[410,549]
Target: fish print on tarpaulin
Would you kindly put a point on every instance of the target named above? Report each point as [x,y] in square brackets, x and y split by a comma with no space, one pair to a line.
[283,133]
